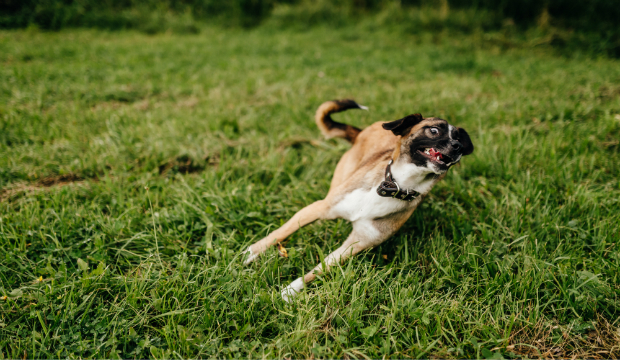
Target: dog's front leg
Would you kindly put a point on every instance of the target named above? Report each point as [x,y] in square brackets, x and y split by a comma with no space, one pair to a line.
[363,236]
[315,211]
[366,234]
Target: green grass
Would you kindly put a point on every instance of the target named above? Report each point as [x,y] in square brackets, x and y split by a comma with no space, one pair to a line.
[169,154]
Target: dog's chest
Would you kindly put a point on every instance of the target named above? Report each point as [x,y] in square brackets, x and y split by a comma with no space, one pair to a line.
[363,204]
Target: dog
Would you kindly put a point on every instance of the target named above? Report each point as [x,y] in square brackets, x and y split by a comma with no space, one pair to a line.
[378,182]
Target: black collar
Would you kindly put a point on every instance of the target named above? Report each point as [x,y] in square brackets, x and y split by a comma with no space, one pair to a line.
[389,187]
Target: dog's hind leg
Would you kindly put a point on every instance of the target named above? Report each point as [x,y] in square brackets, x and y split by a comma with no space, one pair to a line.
[303,217]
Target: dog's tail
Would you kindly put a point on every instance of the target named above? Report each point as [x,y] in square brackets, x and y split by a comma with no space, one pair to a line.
[331,128]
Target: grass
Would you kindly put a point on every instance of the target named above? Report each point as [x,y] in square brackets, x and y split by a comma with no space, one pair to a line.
[134,169]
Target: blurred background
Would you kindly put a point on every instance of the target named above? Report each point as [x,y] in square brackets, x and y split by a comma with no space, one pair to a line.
[568,25]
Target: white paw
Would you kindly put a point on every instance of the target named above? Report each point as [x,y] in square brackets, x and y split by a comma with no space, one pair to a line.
[292,289]
[250,256]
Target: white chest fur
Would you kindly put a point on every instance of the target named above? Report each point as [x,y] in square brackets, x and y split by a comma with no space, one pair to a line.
[410,176]
[362,204]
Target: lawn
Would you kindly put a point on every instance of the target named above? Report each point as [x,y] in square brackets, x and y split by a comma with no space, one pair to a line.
[134,169]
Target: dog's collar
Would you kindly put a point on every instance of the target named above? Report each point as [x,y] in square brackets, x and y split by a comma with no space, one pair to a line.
[389,187]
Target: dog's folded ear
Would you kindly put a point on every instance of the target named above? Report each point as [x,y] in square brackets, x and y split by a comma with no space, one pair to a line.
[402,126]
[464,139]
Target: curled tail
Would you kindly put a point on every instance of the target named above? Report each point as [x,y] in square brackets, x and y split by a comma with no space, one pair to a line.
[331,128]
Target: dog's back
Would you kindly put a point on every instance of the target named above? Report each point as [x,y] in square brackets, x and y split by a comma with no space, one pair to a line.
[369,145]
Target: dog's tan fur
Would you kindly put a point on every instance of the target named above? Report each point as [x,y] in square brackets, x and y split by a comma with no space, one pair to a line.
[361,169]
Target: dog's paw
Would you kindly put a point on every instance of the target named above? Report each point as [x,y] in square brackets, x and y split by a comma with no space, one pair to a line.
[292,289]
[249,256]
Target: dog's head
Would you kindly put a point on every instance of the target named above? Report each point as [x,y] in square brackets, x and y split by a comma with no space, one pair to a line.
[430,142]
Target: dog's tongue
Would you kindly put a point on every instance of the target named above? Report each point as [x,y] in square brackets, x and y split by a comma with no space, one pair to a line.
[435,154]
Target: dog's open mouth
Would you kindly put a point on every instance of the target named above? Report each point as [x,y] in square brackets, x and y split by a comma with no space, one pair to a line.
[437,157]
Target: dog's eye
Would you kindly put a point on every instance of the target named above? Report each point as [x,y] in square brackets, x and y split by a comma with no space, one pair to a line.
[434,131]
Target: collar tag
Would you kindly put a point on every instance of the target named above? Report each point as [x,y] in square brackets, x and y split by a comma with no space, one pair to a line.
[390,188]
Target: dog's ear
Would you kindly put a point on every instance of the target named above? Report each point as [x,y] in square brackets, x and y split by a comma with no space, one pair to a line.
[401,126]
[464,139]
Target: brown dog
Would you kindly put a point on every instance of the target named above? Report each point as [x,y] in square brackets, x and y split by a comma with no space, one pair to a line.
[377,184]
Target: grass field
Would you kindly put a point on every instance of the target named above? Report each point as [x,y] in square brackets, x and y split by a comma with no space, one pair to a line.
[135,168]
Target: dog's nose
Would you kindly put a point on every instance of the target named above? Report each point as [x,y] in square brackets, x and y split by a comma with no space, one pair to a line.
[457,145]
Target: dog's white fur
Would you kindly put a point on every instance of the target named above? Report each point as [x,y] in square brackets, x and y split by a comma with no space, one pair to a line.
[361,207]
